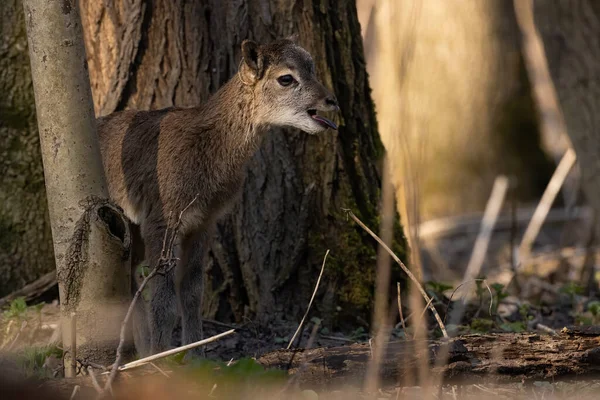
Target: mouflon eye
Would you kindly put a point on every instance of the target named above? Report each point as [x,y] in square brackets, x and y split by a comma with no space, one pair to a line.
[285,80]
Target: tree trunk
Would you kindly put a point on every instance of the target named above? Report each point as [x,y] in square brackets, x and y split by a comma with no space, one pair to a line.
[90,236]
[25,238]
[566,28]
[453,104]
[266,256]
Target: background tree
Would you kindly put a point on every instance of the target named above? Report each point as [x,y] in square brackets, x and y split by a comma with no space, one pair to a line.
[567,29]
[462,103]
[25,239]
[265,259]
[454,106]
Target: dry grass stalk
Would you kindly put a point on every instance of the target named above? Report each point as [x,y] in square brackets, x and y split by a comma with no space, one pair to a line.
[310,302]
[16,339]
[488,222]
[400,307]
[405,269]
[381,324]
[492,210]
[164,354]
[294,378]
[75,391]
[420,344]
[539,216]
[159,369]
[95,383]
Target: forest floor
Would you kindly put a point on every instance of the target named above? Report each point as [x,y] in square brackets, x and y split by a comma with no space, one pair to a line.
[515,306]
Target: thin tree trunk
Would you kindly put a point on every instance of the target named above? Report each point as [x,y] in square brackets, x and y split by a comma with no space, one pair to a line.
[25,239]
[267,253]
[569,30]
[90,236]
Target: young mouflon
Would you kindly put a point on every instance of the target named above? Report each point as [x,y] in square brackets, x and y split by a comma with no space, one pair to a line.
[158,162]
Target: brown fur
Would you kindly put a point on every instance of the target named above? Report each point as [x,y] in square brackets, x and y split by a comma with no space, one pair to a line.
[157,162]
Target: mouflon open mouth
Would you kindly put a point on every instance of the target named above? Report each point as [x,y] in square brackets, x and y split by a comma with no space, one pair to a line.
[322,120]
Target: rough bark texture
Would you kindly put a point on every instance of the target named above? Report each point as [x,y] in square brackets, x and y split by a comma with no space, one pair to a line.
[505,357]
[569,30]
[265,260]
[25,240]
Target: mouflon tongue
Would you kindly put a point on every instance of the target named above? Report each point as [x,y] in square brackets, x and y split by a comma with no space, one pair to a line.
[324,121]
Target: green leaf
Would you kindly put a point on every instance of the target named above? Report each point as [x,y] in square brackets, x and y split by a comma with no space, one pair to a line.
[481,325]
[17,308]
[594,307]
[513,327]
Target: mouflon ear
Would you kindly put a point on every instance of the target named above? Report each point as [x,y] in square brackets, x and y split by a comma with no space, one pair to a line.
[252,65]
[293,38]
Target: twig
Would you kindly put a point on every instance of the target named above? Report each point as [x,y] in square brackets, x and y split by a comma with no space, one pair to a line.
[95,381]
[23,325]
[539,216]
[405,269]
[492,209]
[464,283]
[75,391]
[160,370]
[488,223]
[547,329]
[381,326]
[165,259]
[400,308]
[158,356]
[339,339]
[73,343]
[310,302]
[303,366]
[423,313]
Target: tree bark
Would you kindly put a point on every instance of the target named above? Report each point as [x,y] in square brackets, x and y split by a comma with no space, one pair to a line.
[267,253]
[25,239]
[566,28]
[508,357]
[90,236]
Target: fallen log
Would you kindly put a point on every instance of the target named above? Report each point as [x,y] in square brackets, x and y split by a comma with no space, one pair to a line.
[506,357]
[32,290]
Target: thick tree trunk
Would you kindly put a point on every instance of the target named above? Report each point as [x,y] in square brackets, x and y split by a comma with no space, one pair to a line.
[25,240]
[568,30]
[265,260]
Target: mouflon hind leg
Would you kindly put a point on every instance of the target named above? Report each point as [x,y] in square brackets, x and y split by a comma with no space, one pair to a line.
[163,303]
[190,285]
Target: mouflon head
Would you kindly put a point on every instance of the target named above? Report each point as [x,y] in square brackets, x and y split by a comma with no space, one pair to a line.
[286,89]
